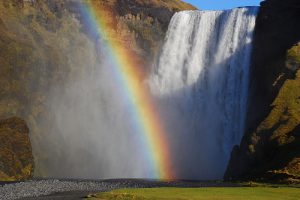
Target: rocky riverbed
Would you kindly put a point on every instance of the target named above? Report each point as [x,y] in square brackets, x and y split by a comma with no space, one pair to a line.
[54,189]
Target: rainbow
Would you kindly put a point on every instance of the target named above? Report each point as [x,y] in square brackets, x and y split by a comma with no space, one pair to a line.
[128,72]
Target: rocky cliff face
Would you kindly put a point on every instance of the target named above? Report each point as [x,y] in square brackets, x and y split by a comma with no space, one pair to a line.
[16,160]
[44,44]
[270,150]
[139,24]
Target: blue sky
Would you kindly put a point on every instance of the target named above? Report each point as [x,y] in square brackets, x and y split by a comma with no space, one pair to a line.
[222,4]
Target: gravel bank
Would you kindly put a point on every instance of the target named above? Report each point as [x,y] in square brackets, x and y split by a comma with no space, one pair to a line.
[74,189]
[47,187]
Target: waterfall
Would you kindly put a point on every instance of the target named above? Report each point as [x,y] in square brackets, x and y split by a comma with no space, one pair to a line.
[201,80]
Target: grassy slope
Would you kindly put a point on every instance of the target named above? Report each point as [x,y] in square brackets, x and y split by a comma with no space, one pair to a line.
[282,124]
[272,150]
[239,193]
[43,48]
[37,55]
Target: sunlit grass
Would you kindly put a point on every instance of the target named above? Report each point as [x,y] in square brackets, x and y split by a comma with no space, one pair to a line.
[237,193]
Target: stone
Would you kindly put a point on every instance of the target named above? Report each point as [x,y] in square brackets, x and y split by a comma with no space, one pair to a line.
[16,159]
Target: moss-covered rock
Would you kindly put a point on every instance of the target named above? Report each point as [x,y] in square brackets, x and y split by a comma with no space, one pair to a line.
[16,160]
[270,149]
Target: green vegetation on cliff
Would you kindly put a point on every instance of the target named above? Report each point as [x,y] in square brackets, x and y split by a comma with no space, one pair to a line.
[16,160]
[40,51]
[270,149]
[44,47]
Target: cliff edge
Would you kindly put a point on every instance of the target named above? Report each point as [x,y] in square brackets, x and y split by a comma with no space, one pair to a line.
[270,149]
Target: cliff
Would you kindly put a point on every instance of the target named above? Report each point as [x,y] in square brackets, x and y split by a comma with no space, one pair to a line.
[270,149]
[45,44]
[138,24]
[16,161]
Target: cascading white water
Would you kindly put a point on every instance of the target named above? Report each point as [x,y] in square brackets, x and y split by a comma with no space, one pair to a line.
[201,80]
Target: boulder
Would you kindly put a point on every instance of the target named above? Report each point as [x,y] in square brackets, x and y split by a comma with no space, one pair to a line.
[16,159]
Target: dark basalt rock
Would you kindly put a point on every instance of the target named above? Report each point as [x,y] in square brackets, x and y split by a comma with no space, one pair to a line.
[270,149]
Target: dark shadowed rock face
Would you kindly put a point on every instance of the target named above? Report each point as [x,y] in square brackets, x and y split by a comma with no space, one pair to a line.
[16,160]
[270,150]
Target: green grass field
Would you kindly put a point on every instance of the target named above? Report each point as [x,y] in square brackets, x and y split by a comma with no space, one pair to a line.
[239,193]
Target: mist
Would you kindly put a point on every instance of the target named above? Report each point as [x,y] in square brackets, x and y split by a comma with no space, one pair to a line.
[92,126]
[200,80]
